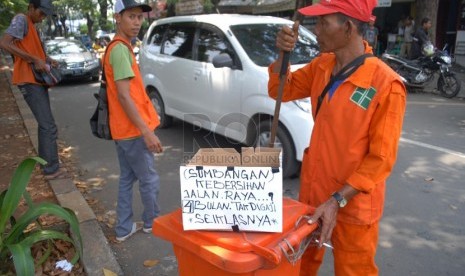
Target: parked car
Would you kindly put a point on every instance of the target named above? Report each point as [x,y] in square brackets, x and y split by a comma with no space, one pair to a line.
[211,71]
[76,61]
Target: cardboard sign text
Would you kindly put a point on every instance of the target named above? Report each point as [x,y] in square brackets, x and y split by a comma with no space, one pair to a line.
[231,198]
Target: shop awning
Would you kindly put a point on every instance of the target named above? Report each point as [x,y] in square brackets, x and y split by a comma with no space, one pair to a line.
[236,3]
[236,6]
[269,6]
[256,6]
[186,7]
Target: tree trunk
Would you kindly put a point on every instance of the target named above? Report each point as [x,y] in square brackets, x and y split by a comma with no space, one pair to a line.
[58,31]
[170,10]
[427,9]
[102,21]
[63,25]
[90,24]
[49,27]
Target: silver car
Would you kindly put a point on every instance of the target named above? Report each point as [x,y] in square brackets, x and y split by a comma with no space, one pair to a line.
[76,61]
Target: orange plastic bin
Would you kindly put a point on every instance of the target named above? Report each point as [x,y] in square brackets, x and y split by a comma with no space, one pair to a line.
[218,253]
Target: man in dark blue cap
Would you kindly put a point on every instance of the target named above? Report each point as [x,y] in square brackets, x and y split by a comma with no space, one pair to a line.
[23,42]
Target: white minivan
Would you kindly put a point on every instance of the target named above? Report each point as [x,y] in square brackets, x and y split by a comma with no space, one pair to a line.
[212,71]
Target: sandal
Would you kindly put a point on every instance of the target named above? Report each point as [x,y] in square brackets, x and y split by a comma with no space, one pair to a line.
[59,174]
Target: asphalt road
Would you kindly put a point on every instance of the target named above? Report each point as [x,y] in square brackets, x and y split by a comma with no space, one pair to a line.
[423,228]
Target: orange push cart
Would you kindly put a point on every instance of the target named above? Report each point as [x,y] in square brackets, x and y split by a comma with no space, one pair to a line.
[219,253]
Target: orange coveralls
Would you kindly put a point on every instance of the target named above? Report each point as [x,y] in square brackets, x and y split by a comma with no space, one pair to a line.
[354,140]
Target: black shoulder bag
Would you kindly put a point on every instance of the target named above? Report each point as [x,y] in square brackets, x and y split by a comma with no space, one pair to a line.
[100,120]
[50,77]
[343,74]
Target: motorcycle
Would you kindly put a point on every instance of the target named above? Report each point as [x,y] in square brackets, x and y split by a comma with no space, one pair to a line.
[418,73]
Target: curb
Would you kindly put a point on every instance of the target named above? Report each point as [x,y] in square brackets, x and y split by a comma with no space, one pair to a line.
[97,253]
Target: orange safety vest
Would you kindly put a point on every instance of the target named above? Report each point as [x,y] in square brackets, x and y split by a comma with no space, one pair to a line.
[121,126]
[22,70]
[355,136]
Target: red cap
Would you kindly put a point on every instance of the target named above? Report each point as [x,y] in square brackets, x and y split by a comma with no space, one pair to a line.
[358,9]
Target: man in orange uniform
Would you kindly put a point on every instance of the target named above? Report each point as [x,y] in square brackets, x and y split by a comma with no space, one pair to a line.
[22,40]
[355,137]
[133,120]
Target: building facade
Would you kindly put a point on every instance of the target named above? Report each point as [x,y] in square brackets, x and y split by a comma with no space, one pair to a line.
[450,29]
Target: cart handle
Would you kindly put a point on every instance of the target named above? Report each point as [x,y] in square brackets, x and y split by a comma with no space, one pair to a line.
[298,237]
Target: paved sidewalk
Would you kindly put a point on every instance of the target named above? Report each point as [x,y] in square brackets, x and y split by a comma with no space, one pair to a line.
[97,252]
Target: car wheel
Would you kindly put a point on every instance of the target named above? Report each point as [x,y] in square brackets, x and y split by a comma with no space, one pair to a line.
[96,78]
[283,141]
[165,120]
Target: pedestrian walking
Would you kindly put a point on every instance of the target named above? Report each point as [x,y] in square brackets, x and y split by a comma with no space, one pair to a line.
[354,142]
[406,45]
[22,40]
[133,121]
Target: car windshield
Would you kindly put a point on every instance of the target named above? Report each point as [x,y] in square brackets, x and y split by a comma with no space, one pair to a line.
[259,40]
[59,47]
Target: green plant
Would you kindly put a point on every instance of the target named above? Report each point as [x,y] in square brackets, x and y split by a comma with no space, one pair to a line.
[14,240]
[208,6]
[83,29]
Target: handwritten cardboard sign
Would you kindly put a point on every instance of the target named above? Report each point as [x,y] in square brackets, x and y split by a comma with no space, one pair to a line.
[231,198]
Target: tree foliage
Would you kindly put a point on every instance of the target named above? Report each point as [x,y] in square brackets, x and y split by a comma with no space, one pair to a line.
[94,11]
[8,9]
[78,8]
[103,18]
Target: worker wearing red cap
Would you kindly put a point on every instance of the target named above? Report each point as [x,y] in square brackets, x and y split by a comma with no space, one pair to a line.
[355,137]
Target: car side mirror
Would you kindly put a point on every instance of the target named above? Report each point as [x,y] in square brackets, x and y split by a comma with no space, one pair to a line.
[223,60]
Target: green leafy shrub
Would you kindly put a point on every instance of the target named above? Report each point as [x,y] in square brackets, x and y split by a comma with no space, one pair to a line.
[15,242]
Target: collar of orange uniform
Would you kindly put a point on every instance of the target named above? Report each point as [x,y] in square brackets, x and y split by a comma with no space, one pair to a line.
[363,78]
[117,36]
[29,20]
[360,78]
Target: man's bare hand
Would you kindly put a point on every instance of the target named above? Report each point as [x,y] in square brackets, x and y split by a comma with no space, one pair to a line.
[326,213]
[39,65]
[53,62]
[287,37]
[153,143]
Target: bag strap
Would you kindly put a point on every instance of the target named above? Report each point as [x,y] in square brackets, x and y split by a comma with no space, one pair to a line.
[343,74]
[103,82]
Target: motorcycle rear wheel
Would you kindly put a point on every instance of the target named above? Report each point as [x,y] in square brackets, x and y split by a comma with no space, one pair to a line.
[448,86]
